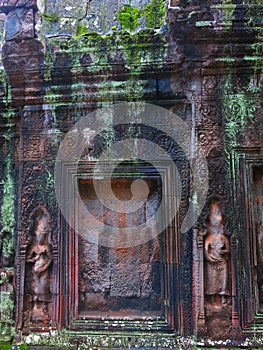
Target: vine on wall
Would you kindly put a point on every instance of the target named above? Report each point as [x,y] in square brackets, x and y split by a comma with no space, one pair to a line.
[239,112]
[7,214]
[7,231]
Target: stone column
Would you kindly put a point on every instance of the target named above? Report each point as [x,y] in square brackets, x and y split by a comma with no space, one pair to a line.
[21,52]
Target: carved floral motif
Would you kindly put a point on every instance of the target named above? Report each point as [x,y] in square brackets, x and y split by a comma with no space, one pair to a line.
[209,85]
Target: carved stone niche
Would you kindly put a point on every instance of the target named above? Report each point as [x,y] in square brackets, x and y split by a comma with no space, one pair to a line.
[107,284]
[214,312]
[248,196]
[37,282]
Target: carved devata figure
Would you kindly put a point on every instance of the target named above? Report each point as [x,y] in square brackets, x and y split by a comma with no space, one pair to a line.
[38,262]
[216,249]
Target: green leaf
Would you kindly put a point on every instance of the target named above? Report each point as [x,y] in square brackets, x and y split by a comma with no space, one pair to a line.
[81,30]
[50,17]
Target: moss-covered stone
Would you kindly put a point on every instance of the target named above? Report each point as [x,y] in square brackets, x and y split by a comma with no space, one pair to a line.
[129,17]
[155,13]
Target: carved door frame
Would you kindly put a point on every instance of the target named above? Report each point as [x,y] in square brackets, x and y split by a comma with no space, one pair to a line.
[243,162]
[171,253]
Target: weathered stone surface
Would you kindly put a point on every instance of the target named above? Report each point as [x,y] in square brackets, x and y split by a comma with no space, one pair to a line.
[77,17]
[115,280]
[202,61]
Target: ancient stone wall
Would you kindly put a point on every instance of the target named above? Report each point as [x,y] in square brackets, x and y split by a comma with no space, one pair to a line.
[62,60]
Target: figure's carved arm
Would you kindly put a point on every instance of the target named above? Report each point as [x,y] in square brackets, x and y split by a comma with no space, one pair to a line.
[226,249]
[31,257]
[209,256]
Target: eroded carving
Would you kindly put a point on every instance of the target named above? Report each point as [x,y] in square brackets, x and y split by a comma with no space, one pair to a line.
[217,250]
[20,19]
[209,85]
[38,262]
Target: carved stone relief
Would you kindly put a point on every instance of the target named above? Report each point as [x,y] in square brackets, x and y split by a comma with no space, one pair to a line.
[209,124]
[20,19]
[19,24]
[37,276]
[215,305]
[217,167]
[209,85]
[217,252]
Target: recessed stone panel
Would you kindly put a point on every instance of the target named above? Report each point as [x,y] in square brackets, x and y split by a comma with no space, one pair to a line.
[120,282]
